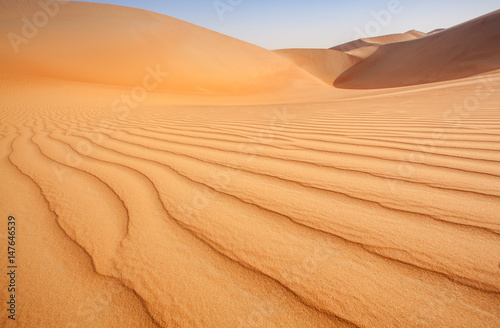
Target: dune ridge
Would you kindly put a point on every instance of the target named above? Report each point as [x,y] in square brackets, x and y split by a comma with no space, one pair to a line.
[378,40]
[179,56]
[467,49]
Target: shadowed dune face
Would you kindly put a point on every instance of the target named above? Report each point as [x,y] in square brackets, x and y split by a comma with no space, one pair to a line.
[464,50]
[115,45]
[311,208]
[329,64]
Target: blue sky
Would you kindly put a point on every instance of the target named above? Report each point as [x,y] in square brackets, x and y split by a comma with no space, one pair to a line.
[276,24]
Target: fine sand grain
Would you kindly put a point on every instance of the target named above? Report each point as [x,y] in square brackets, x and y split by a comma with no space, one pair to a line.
[245,190]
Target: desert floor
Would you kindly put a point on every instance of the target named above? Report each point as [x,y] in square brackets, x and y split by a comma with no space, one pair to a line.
[377,210]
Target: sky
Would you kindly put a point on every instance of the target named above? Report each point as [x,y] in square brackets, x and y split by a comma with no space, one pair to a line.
[278,24]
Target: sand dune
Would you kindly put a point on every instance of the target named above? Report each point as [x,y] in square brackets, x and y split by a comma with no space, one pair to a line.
[329,64]
[325,64]
[97,43]
[302,206]
[436,31]
[384,39]
[392,38]
[370,45]
[465,50]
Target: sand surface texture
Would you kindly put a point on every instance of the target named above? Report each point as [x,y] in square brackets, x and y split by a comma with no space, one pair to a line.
[163,175]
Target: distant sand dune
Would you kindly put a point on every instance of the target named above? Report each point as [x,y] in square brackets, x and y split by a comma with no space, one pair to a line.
[329,64]
[378,40]
[391,38]
[326,64]
[464,50]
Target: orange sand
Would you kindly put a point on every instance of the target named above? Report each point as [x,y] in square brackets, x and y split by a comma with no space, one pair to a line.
[243,189]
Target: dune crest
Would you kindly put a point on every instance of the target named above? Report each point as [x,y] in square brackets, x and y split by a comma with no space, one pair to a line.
[96,43]
[465,50]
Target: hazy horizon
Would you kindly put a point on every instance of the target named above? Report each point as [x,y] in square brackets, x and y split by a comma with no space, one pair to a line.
[317,23]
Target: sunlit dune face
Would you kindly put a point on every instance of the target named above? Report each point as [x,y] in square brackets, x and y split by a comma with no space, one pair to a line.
[99,44]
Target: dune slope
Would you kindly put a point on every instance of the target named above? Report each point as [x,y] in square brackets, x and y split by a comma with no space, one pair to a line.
[120,46]
[377,211]
[325,64]
[464,50]
[391,38]
[329,64]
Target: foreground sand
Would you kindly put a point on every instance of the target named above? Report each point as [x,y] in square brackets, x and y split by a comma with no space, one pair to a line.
[318,208]
[374,211]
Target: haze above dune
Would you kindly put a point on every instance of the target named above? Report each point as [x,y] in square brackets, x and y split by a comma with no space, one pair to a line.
[246,189]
